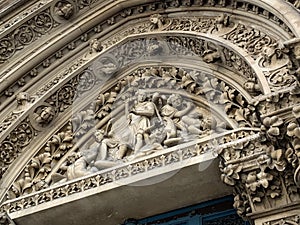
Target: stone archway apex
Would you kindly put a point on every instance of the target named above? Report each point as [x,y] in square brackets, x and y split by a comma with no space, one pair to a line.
[93,93]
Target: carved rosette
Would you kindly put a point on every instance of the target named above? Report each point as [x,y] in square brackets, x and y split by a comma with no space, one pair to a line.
[13,145]
[26,34]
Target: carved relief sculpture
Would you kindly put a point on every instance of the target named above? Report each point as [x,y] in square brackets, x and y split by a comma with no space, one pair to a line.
[149,87]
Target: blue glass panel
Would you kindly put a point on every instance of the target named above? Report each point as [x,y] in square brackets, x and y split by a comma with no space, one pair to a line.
[228,217]
[216,212]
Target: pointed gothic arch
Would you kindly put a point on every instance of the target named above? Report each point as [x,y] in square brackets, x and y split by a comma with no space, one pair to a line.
[68,70]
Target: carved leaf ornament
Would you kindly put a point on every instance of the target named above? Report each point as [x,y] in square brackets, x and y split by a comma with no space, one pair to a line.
[147,112]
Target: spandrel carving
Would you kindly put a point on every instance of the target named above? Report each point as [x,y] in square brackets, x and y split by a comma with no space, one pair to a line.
[36,172]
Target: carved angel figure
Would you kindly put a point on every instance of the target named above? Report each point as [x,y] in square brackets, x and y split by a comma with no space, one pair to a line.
[181,115]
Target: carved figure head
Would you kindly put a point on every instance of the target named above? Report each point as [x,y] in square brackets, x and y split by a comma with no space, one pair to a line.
[22,97]
[175,100]
[251,86]
[209,123]
[64,9]
[47,114]
[95,46]
[99,135]
[141,96]
[156,18]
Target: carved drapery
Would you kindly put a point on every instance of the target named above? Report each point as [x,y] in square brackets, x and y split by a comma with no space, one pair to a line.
[264,65]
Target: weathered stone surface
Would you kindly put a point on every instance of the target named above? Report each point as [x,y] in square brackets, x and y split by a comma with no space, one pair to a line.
[94,92]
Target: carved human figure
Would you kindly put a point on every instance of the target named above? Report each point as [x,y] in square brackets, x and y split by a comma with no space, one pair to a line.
[104,142]
[96,157]
[139,120]
[222,21]
[251,86]
[80,167]
[45,115]
[183,114]
[274,55]
[157,21]
[209,124]
[155,143]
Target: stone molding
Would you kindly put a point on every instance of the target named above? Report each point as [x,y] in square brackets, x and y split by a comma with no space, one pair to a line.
[84,60]
[291,220]
[264,169]
[168,160]
[82,38]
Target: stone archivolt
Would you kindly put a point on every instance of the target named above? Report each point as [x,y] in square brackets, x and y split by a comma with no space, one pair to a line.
[80,41]
[259,100]
[162,78]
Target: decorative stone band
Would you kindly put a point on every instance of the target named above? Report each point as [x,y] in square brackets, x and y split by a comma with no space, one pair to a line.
[174,24]
[23,16]
[242,6]
[293,220]
[171,159]
[85,60]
